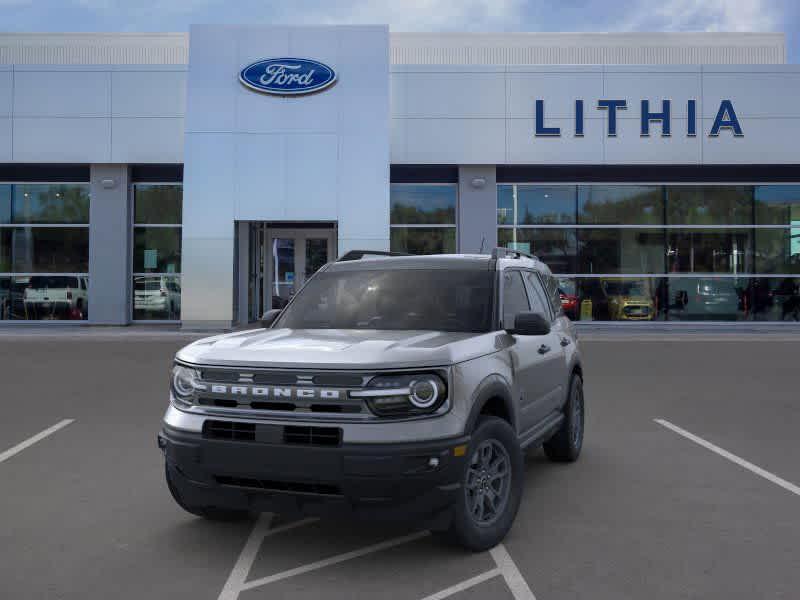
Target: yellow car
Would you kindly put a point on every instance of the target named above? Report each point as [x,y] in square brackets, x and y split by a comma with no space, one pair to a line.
[628,299]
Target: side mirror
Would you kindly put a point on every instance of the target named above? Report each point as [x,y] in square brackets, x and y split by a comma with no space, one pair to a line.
[269,317]
[530,323]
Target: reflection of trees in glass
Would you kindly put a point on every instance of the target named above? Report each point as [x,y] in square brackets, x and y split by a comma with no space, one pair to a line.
[709,205]
[423,204]
[621,204]
[545,204]
[414,215]
[158,204]
[423,241]
[43,203]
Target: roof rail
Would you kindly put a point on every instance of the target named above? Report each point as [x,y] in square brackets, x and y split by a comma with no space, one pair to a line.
[511,253]
[359,254]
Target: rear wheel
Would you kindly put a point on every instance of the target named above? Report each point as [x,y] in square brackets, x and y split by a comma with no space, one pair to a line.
[566,444]
[213,513]
[491,487]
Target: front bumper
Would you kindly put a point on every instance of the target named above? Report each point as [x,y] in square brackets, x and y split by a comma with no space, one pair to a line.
[390,481]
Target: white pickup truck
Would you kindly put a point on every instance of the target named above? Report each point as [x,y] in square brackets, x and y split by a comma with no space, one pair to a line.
[56,296]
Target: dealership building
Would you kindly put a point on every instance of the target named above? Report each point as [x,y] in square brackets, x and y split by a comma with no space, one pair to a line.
[200,178]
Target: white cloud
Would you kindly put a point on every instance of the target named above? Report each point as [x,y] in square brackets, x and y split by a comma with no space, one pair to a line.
[416,15]
[705,15]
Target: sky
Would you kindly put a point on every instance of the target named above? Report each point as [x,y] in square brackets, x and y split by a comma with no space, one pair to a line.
[413,15]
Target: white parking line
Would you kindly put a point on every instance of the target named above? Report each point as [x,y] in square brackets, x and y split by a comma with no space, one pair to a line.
[334,560]
[464,585]
[237,580]
[508,569]
[732,457]
[4,456]
[241,569]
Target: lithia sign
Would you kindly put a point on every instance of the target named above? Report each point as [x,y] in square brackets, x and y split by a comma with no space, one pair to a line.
[725,120]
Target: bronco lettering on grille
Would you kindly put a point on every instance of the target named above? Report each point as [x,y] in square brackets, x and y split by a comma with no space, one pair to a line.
[276,392]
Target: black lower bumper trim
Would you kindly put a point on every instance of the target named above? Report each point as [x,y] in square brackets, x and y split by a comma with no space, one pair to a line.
[391,480]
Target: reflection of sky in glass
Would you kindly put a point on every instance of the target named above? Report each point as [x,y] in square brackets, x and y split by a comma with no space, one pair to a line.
[424,197]
[794,247]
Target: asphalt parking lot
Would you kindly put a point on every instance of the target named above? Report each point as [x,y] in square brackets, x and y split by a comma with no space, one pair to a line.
[702,503]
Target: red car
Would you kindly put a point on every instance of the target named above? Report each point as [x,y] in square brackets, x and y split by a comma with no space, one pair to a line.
[569,298]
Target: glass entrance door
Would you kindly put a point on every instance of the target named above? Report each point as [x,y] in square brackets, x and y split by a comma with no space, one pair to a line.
[291,256]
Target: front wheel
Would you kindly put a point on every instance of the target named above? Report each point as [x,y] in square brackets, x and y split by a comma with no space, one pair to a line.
[491,487]
[566,443]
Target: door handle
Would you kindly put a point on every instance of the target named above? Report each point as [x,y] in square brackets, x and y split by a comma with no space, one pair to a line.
[544,349]
[565,341]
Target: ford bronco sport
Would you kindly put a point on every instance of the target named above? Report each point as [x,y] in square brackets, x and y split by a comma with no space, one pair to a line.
[389,386]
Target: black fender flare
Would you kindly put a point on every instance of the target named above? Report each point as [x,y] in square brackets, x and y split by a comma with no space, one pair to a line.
[493,386]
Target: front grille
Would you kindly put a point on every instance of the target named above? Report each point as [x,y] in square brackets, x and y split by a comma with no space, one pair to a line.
[312,436]
[254,390]
[229,430]
[297,487]
[338,380]
[236,376]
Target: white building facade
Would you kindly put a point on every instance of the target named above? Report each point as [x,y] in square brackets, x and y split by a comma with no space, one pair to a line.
[142,178]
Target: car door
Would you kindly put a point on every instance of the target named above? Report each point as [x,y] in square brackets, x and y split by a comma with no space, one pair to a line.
[527,353]
[545,287]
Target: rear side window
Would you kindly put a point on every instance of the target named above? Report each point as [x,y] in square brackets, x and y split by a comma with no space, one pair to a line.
[515,299]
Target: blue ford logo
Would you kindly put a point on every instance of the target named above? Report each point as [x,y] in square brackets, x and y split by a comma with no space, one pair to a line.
[287,76]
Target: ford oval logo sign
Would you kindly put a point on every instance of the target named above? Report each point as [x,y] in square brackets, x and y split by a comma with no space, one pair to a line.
[287,76]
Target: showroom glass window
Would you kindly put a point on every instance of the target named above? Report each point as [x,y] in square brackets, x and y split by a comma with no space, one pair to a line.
[44,251]
[522,210]
[423,217]
[676,251]
[156,286]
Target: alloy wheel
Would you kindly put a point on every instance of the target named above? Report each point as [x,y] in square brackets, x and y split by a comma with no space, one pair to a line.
[488,482]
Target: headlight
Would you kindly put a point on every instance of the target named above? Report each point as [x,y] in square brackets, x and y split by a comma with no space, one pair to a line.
[404,394]
[184,382]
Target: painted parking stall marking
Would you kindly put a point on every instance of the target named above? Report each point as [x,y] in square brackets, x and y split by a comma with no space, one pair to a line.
[237,580]
[4,456]
[731,457]
[261,530]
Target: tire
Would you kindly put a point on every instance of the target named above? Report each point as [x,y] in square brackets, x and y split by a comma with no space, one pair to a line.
[212,513]
[566,443]
[475,524]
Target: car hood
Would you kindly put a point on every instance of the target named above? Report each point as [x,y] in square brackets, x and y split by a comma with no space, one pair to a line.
[339,348]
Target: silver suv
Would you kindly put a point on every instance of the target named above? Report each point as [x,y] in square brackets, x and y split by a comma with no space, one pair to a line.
[390,386]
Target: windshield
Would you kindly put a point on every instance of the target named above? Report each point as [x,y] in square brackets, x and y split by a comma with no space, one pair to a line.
[625,288]
[405,299]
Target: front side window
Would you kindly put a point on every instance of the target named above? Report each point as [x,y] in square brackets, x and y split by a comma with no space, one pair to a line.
[515,298]
[44,251]
[423,218]
[157,214]
[537,296]
[394,299]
